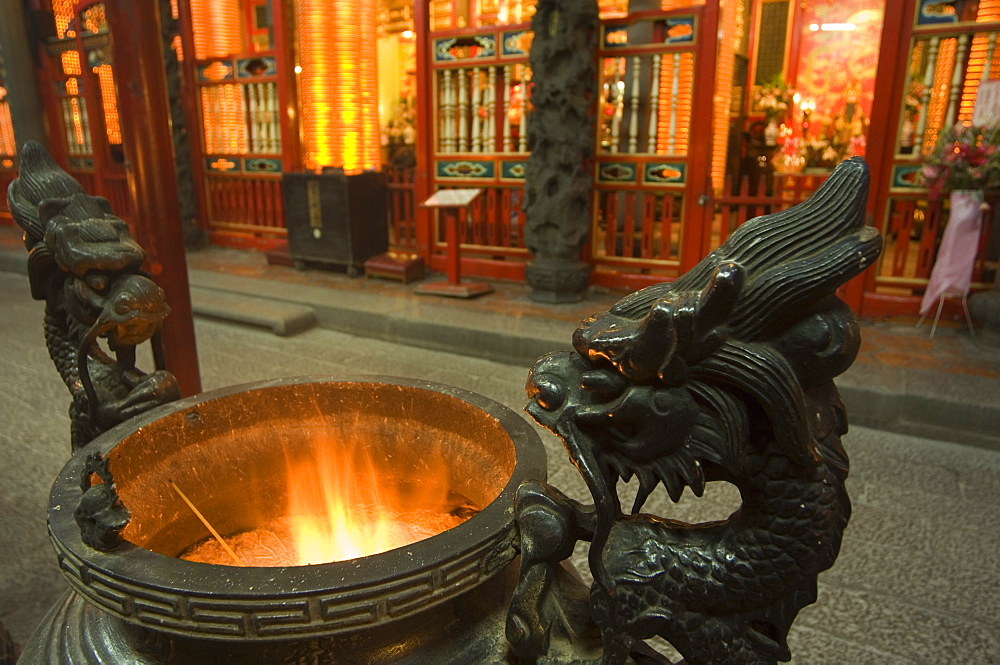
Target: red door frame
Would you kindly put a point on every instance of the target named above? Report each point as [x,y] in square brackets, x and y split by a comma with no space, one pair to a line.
[50,71]
[894,56]
[423,217]
[291,152]
[698,209]
[426,219]
[897,28]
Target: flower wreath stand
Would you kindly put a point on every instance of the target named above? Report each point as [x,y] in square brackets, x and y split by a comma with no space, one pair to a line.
[951,275]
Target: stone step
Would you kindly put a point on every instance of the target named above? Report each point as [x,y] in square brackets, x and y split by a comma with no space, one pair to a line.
[281,318]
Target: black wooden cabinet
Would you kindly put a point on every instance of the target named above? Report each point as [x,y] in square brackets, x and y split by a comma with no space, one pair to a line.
[335,219]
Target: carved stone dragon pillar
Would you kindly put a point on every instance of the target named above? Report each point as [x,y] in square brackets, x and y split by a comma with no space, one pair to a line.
[559,176]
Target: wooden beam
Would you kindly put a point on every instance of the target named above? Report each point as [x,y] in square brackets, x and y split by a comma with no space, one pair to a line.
[426,123]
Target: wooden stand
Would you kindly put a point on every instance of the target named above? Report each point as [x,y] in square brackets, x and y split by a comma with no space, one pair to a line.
[964,295]
[395,265]
[453,204]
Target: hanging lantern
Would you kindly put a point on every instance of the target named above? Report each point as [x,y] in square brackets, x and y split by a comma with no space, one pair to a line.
[338,84]
[106,80]
[7,144]
[217,28]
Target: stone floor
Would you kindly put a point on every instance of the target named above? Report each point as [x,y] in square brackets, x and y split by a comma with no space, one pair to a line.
[920,565]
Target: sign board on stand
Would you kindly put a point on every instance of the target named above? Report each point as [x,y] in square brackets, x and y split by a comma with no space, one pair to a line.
[453,204]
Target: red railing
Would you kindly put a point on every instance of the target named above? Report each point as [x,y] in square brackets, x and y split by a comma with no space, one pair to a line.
[640,234]
[491,237]
[245,205]
[911,235]
[910,238]
[751,198]
[641,227]
[401,208]
[495,223]
[115,190]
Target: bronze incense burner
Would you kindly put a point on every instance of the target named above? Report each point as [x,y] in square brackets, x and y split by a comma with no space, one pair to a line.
[440,600]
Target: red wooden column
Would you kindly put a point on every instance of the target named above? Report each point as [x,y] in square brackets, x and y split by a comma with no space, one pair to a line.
[698,210]
[890,79]
[192,117]
[425,129]
[794,42]
[145,123]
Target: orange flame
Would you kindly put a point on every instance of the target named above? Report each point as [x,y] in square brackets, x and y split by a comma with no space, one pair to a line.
[335,510]
[343,504]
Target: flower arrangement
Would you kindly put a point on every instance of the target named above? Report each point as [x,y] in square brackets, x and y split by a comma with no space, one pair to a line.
[965,157]
[401,127]
[821,153]
[791,156]
[911,102]
[773,98]
[400,134]
[836,141]
[856,146]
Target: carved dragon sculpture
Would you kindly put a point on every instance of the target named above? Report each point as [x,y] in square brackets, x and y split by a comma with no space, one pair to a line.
[724,374]
[84,264]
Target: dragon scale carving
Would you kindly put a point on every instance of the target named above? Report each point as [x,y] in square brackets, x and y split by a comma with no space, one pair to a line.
[723,375]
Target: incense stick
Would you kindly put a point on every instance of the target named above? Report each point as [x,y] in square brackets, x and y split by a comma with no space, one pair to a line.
[208,526]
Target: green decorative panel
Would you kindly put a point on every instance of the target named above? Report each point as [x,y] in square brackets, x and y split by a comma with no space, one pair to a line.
[516,43]
[674,30]
[680,30]
[665,173]
[612,172]
[81,163]
[906,177]
[254,67]
[615,35]
[466,169]
[222,165]
[935,12]
[513,170]
[222,70]
[486,44]
[262,165]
